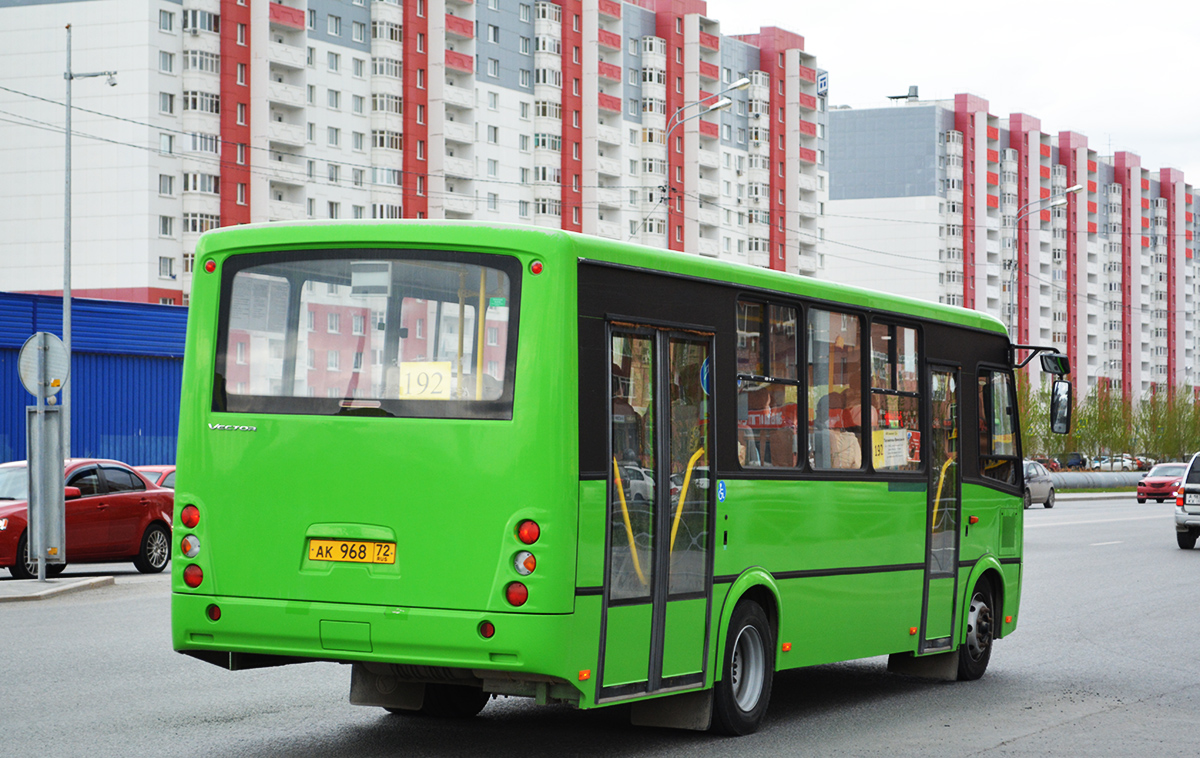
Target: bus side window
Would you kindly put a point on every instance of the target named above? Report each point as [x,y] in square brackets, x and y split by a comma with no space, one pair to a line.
[834,351]
[767,387]
[997,427]
[895,399]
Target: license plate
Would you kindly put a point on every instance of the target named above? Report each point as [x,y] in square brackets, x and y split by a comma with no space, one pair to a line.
[352,551]
[1193,500]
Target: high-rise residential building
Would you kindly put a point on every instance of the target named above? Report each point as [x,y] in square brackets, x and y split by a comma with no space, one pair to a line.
[586,115]
[1091,253]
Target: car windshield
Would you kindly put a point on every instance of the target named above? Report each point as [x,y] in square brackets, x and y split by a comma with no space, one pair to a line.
[1168,470]
[14,483]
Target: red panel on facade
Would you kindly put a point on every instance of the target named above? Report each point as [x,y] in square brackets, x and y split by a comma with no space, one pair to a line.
[708,128]
[1091,227]
[1189,236]
[610,8]
[609,102]
[1145,223]
[414,172]
[464,27]
[571,162]
[608,39]
[993,156]
[1045,170]
[1145,184]
[993,178]
[1045,149]
[1188,216]
[1091,167]
[1187,198]
[1045,215]
[235,115]
[993,201]
[710,70]
[808,102]
[610,71]
[710,41]
[1145,202]
[460,62]
[1145,242]
[807,127]
[808,74]
[1045,192]
[1091,187]
[1091,206]
[993,133]
[808,156]
[282,15]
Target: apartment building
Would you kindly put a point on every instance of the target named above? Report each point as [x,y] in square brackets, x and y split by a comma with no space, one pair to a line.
[588,115]
[1091,253]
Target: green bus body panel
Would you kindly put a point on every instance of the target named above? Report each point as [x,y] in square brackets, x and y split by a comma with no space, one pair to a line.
[941,608]
[627,634]
[842,560]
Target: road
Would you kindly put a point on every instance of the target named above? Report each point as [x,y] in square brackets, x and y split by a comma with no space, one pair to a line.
[1103,664]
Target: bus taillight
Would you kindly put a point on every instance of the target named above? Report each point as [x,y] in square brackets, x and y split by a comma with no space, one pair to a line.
[528,531]
[190,546]
[190,516]
[525,563]
[516,594]
[193,575]
[486,629]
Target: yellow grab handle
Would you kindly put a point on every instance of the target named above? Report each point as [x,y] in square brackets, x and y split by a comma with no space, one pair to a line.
[687,479]
[628,526]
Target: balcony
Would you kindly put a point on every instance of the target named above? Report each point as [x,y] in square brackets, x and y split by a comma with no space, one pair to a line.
[610,40]
[806,155]
[806,264]
[608,166]
[459,132]
[287,171]
[458,26]
[286,94]
[808,74]
[286,134]
[456,202]
[610,8]
[609,103]
[609,135]
[289,56]
[708,247]
[710,71]
[807,209]
[610,71]
[709,129]
[457,96]
[608,197]
[281,210]
[710,41]
[463,168]
[709,216]
[460,62]
[808,182]
[709,159]
[285,17]
[807,128]
[706,188]
[608,229]
[808,102]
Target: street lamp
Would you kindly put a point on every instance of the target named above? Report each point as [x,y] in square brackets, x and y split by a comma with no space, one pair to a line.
[1056,200]
[70,76]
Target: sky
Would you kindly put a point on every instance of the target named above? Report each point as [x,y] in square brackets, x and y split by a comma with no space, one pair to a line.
[1120,73]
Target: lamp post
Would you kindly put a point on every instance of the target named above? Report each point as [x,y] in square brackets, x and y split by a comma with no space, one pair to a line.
[70,76]
[1053,201]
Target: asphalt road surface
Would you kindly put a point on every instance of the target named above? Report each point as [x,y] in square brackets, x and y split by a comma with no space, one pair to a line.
[1104,663]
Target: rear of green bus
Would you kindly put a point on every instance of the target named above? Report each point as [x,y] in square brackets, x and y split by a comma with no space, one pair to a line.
[378,458]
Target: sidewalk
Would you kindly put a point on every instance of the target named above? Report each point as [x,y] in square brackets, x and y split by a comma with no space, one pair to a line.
[16,590]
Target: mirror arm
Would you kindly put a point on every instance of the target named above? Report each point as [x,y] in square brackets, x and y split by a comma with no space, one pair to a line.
[1035,351]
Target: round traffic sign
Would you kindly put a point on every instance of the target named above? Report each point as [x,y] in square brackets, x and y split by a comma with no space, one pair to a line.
[43,378]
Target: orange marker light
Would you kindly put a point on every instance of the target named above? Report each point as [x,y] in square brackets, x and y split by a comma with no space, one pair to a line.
[973,520]
[585,675]
[1008,619]
[912,630]
[786,647]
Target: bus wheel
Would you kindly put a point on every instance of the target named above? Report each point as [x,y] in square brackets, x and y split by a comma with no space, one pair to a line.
[741,697]
[453,701]
[975,654]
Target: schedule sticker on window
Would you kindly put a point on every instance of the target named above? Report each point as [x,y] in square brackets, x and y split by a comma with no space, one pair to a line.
[427,380]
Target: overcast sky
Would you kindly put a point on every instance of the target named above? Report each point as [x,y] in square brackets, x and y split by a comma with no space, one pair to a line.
[1121,73]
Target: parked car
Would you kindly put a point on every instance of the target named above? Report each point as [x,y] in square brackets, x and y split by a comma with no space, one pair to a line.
[638,483]
[1144,463]
[163,476]
[1161,482]
[1187,506]
[1038,487]
[699,481]
[113,513]
[1115,463]
[1051,464]
[1075,461]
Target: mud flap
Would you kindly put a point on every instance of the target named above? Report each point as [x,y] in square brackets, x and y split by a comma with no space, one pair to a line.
[687,710]
[384,690]
[940,666]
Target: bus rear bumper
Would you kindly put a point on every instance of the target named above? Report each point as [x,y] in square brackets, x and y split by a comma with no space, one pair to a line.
[526,647]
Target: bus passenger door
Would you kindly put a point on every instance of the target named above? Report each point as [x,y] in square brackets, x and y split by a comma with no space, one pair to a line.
[658,563]
[941,553]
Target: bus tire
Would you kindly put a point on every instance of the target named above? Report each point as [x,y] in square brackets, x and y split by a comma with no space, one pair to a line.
[977,649]
[453,701]
[741,696]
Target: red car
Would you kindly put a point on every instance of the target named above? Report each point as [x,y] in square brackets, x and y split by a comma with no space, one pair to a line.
[1161,482]
[163,476]
[113,514]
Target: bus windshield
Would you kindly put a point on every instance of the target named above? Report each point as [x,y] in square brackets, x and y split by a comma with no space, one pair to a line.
[368,333]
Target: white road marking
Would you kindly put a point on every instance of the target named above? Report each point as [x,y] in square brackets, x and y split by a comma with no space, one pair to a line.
[1161,516]
[1101,544]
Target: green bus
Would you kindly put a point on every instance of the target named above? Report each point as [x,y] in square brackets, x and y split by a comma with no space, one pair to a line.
[474,460]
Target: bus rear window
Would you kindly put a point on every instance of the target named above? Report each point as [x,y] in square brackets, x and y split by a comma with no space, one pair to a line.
[368,332]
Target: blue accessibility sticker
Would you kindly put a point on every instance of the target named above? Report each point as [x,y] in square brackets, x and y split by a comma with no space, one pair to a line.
[720,492]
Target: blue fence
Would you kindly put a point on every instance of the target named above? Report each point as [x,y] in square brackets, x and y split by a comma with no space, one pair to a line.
[126,372]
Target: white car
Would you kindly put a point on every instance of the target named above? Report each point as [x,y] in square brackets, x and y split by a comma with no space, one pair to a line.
[1187,506]
[638,483]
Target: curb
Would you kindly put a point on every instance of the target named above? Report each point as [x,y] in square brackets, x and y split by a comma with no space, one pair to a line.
[1131,496]
[26,589]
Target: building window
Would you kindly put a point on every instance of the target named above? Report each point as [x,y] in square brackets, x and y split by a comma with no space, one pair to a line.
[493,34]
[335,62]
[241,74]
[493,67]
[524,78]
[333,362]
[166,21]
[333,322]
[166,267]
[359,31]
[166,144]
[241,154]
[335,173]
[335,99]
[166,226]
[241,193]
[493,135]
[241,34]
[166,102]
[358,103]
[335,25]
[312,18]
[493,201]
[360,68]
[420,42]
[166,62]
[166,185]
[335,136]
[241,114]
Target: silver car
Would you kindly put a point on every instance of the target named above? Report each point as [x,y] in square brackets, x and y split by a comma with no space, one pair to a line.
[1038,486]
[1187,506]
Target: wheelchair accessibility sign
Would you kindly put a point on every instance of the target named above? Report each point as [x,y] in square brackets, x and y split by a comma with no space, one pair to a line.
[720,492]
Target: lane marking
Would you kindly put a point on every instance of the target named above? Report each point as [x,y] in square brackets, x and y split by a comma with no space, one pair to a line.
[1101,544]
[1160,517]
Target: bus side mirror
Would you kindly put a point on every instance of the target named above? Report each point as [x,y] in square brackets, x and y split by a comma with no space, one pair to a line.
[1060,407]
[1056,363]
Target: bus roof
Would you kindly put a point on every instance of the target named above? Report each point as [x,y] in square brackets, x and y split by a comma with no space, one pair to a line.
[465,234]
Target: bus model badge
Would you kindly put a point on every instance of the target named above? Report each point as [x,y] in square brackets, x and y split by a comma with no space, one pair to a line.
[232,428]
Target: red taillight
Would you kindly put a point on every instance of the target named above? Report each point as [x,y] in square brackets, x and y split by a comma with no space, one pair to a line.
[1179,498]
[516,594]
[213,612]
[190,516]
[486,629]
[528,532]
[193,575]
[210,266]
[536,267]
